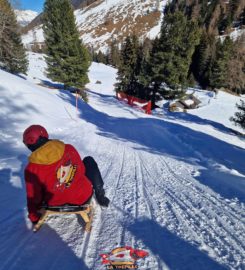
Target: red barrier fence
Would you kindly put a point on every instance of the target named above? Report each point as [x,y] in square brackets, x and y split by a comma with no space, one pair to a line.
[145,105]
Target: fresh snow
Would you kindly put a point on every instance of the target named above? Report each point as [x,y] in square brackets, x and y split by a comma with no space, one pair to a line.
[34,35]
[24,17]
[176,181]
[189,102]
[216,108]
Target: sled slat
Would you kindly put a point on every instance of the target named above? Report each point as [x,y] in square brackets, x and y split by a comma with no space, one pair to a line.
[86,215]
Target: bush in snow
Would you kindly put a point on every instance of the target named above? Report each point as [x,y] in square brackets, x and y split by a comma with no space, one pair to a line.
[239,118]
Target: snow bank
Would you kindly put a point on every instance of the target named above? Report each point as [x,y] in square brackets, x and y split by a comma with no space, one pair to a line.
[218,108]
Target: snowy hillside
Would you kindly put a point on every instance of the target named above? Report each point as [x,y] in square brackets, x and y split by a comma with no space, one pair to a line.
[176,182]
[24,17]
[103,21]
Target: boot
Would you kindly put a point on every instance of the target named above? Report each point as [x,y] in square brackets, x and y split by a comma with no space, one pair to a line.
[101,198]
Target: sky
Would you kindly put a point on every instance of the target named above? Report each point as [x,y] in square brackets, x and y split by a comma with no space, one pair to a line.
[36,5]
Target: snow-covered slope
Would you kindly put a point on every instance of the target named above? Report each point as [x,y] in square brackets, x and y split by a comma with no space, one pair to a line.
[24,17]
[103,21]
[177,185]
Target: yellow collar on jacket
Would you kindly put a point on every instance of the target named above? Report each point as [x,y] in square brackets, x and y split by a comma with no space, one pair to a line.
[49,153]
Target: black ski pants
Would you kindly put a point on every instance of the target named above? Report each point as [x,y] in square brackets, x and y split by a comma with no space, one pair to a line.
[93,173]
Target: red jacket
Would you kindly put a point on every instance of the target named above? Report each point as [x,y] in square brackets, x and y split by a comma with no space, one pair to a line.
[55,175]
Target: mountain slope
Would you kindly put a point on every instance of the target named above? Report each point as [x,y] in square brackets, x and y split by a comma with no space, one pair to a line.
[176,184]
[102,21]
[24,17]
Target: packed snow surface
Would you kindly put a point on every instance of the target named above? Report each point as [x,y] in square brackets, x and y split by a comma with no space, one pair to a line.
[176,181]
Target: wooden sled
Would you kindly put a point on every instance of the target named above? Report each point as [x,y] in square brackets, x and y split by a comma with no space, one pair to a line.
[85,211]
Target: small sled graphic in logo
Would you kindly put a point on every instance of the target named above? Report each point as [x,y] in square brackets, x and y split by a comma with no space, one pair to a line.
[123,258]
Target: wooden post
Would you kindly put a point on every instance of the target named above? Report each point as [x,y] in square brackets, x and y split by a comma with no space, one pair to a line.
[148,108]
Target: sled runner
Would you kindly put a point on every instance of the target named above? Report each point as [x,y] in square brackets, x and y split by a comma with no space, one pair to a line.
[85,211]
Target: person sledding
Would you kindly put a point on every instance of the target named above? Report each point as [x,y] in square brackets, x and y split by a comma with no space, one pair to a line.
[56,175]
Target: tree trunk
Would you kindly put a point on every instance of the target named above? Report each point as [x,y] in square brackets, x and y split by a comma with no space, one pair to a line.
[153,97]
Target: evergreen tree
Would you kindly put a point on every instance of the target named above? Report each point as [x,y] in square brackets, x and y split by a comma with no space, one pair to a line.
[144,68]
[209,64]
[172,54]
[128,70]
[147,47]
[204,58]
[67,58]
[143,79]
[211,12]
[235,79]
[101,58]
[114,54]
[138,48]
[225,20]
[234,5]
[12,53]
[151,75]
[239,118]
[220,67]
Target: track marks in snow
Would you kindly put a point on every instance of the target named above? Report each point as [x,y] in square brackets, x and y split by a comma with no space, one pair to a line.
[197,214]
[164,192]
[147,186]
[147,208]
[107,221]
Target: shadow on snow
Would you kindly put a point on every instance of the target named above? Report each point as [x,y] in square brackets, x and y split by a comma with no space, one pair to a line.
[172,250]
[174,140]
[20,248]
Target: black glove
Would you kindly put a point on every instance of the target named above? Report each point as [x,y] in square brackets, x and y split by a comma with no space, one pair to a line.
[101,198]
[34,222]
